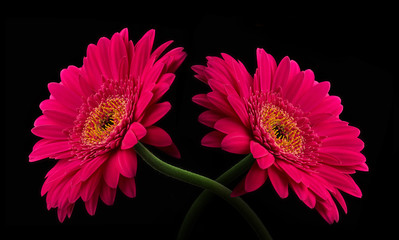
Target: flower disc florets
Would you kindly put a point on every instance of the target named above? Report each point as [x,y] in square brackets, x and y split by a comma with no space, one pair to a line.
[282,128]
[103,120]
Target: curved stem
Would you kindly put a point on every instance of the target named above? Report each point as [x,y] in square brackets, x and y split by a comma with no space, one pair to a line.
[206,183]
[206,196]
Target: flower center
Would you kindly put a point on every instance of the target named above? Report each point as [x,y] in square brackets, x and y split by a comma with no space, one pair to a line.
[282,128]
[102,120]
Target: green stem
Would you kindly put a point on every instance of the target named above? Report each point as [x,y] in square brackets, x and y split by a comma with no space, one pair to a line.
[206,196]
[205,183]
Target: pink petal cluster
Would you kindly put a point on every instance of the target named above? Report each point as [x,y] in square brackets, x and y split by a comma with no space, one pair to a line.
[289,123]
[95,116]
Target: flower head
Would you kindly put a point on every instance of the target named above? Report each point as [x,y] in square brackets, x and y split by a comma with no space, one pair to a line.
[95,116]
[289,123]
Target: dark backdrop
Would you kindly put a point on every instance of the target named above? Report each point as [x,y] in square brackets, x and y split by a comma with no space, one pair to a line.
[353,52]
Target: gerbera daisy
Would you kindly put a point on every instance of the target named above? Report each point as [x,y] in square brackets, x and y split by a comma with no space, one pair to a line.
[289,123]
[95,116]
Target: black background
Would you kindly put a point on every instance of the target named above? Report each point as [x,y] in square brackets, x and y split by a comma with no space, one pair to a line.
[353,52]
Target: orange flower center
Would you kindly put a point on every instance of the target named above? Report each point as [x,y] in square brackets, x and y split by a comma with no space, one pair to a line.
[282,128]
[102,120]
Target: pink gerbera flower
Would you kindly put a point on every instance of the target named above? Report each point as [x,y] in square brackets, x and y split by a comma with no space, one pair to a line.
[96,115]
[289,123]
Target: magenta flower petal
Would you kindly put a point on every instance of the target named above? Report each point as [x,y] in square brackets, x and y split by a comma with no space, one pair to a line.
[239,189]
[139,130]
[155,113]
[142,53]
[230,125]
[278,181]
[239,107]
[236,143]
[127,162]
[171,150]
[108,194]
[142,104]
[135,132]
[258,150]
[263,81]
[255,178]
[289,123]
[96,115]
[266,161]
[128,186]
[294,173]
[65,96]
[156,136]
[48,148]
[213,139]
[89,169]
[282,73]
[59,117]
[50,132]
[313,96]
[129,140]
[209,118]
[111,172]
[202,100]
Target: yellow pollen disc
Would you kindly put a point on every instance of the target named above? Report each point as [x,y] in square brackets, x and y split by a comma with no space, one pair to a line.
[102,120]
[282,128]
